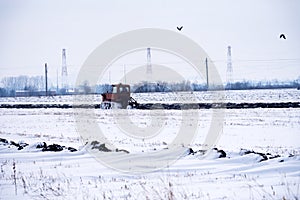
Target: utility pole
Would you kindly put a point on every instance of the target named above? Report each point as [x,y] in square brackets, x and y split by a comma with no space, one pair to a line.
[64,72]
[57,80]
[229,69]
[206,65]
[149,64]
[46,78]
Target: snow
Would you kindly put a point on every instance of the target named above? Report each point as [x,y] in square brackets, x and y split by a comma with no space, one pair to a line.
[233,96]
[31,173]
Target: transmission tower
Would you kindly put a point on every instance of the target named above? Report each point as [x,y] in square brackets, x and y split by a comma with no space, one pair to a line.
[229,68]
[149,65]
[64,71]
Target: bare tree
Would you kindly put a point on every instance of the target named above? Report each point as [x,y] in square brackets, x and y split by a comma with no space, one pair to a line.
[24,83]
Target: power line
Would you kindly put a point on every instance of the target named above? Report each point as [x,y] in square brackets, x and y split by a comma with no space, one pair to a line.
[170,62]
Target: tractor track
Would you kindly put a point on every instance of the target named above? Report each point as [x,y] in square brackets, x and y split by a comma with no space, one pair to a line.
[156,106]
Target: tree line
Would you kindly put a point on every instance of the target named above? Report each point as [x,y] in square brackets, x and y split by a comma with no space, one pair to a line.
[35,84]
[12,84]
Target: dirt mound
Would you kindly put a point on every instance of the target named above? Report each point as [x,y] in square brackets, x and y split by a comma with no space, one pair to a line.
[20,145]
[101,147]
[264,156]
[40,145]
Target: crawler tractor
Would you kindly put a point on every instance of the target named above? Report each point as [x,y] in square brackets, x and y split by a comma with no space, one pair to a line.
[118,97]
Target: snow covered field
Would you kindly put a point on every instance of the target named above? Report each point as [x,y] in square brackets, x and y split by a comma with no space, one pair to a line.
[234,96]
[261,146]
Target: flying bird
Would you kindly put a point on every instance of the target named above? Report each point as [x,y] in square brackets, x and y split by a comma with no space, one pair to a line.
[282,36]
[179,28]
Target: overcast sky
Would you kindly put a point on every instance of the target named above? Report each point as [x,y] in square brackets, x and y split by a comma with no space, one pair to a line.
[34,32]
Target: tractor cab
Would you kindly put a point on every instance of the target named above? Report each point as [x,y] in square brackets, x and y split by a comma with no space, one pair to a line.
[119,97]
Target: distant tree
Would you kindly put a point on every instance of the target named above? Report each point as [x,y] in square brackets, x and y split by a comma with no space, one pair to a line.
[3,92]
[86,87]
[103,88]
[23,83]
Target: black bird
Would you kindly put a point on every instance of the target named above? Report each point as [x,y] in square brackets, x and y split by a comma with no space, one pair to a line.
[179,28]
[282,36]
